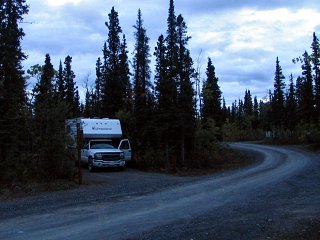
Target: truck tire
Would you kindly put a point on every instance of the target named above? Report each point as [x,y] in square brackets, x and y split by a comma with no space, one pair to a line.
[91,168]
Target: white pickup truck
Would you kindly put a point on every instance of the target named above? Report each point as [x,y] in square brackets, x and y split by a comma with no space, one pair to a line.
[103,146]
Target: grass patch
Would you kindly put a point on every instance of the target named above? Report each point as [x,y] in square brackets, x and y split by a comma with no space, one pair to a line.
[226,159]
[18,190]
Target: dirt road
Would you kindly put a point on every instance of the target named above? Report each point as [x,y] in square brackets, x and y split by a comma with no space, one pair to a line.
[276,199]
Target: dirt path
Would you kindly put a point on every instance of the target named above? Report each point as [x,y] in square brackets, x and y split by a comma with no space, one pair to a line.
[278,198]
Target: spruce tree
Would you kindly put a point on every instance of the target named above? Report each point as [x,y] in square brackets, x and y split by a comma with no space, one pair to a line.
[71,94]
[255,122]
[298,94]
[88,106]
[141,68]
[171,42]
[225,111]
[166,101]
[97,96]
[233,111]
[315,59]
[166,86]
[291,106]
[211,95]
[248,106]
[44,88]
[161,66]
[13,142]
[142,85]
[240,113]
[49,129]
[278,96]
[186,95]
[124,112]
[61,86]
[124,77]
[112,95]
[307,99]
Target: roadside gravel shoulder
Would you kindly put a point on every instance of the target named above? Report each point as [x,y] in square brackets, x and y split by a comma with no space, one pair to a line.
[102,187]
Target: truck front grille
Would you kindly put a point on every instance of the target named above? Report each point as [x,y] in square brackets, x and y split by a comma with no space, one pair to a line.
[111,156]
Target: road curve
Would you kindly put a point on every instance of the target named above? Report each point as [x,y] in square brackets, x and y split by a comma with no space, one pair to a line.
[134,215]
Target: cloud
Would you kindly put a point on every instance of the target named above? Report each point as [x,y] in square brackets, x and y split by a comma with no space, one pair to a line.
[191,7]
[61,2]
[245,43]
[243,38]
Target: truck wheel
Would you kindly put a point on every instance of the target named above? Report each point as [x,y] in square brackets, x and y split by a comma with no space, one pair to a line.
[90,165]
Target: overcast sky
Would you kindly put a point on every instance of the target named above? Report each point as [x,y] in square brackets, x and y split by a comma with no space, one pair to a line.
[243,38]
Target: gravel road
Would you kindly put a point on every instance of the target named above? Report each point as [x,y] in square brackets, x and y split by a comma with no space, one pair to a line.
[278,198]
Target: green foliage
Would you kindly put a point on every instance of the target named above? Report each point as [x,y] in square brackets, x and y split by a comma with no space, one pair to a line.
[306,107]
[278,97]
[186,94]
[61,84]
[248,106]
[51,159]
[291,107]
[127,124]
[233,131]
[315,59]
[13,110]
[152,159]
[206,144]
[166,55]
[211,96]
[114,81]
[143,103]
[71,90]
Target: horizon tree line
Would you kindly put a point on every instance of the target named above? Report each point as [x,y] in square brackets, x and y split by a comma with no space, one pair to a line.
[292,112]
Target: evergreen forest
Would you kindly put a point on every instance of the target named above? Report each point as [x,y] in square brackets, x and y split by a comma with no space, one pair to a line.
[169,122]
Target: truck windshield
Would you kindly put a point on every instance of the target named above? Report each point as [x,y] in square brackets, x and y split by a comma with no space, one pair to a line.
[101,145]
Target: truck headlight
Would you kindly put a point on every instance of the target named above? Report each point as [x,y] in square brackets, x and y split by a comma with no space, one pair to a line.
[98,155]
[122,155]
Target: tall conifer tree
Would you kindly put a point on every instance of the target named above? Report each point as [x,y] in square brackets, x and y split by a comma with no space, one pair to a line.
[248,106]
[142,84]
[211,95]
[72,94]
[12,88]
[124,77]
[44,88]
[307,99]
[315,59]
[278,96]
[255,122]
[186,95]
[49,128]
[97,96]
[61,86]
[291,106]
[112,95]
[166,87]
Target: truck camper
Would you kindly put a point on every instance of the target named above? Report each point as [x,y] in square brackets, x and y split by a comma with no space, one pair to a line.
[103,145]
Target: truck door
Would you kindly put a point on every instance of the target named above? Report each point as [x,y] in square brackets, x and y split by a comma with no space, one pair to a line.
[126,148]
